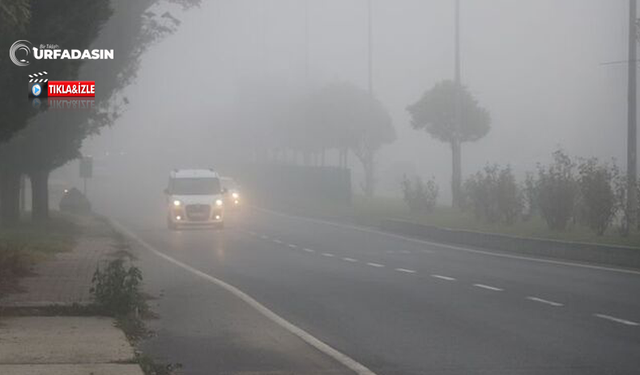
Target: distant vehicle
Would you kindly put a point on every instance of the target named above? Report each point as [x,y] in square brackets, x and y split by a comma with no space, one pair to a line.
[231,189]
[194,198]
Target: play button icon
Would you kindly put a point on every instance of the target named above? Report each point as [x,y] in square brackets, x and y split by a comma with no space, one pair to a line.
[36,90]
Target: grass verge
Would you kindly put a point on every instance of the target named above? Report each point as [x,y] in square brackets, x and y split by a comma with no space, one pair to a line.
[27,243]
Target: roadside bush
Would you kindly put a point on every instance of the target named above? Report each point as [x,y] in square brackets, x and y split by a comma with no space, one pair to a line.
[419,196]
[117,288]
[598,198]
[494,195]
[530,197]
[557,191]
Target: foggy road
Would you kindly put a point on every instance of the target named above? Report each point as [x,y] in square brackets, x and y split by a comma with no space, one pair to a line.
[396,305]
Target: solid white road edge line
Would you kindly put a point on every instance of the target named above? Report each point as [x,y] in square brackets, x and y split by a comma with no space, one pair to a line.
[488,287]
[444,277]
[340,357]
[442,245]
[536,299]
[617,320]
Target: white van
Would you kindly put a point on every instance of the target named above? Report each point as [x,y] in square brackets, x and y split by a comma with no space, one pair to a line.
[194,198]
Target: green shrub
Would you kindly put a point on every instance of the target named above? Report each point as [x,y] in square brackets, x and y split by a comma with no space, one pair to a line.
[116,288]
[421,197]
[598,198]
[557,191]
[494,195]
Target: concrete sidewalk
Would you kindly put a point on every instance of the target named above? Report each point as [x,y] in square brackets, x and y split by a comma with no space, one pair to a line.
[66,279]
[64,346]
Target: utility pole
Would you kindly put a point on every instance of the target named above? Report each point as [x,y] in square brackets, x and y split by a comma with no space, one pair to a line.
[370,10]
[306,43]
[456,168]
[632,120]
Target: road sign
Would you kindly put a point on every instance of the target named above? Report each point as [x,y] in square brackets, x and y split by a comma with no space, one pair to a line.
[86,167]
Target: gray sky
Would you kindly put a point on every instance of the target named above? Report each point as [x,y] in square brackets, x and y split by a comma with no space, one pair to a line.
[536,65]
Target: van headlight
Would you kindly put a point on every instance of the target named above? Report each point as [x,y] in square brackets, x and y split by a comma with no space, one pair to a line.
[218,202]
[177,203]
[235,195]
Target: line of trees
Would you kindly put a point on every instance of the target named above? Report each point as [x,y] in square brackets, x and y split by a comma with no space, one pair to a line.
[35,141]
[339,116]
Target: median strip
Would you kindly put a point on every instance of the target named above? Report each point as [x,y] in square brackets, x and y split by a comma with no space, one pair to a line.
[617,320]
[536,299]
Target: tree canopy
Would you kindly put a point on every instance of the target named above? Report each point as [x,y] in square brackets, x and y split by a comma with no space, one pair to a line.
[435,112]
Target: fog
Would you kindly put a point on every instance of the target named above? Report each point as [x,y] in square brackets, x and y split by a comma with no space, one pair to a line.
[540,68]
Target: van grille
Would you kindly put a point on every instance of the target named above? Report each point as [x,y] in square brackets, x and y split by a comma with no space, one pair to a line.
[198,212]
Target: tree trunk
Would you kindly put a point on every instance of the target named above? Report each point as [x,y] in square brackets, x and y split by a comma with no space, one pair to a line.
[369,175]
[456,175]
[9,197]
[39,195]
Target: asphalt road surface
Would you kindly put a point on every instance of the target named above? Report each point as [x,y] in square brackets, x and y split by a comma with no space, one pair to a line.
[392,304]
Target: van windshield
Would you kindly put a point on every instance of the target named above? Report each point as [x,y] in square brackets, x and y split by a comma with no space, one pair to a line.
[195,186]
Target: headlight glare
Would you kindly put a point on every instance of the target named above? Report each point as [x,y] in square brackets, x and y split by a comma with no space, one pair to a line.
[177,203]
[218,202]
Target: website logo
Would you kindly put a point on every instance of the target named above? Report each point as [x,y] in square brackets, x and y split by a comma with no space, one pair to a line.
[21,47]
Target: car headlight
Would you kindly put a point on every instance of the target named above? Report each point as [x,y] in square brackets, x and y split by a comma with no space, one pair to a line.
[235,195]
[218,202]
[177,203]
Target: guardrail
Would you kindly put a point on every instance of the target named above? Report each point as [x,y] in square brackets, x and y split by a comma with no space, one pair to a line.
[623,256]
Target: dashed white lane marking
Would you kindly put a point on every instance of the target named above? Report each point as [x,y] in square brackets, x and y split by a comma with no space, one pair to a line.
[617,320]
[444,277]
[278,242]
[292,246]
[536,299]
[405,270]
[342,358]
[309,250]
[377,265]
[488,287]
[328,255]
[253,233]
[264,237]
[350,260]
[442,245]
